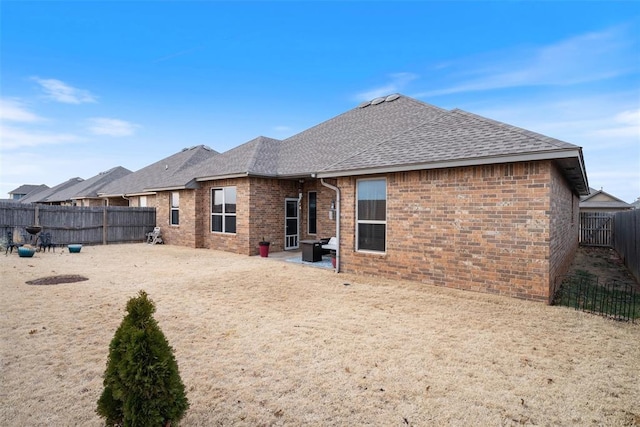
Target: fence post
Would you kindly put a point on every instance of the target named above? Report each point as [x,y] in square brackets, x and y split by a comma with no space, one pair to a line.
[104,225]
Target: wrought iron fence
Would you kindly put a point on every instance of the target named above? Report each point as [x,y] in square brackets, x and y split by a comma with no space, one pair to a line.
[615,300]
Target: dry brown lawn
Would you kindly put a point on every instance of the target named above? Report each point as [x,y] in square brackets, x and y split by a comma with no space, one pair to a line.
[265,342]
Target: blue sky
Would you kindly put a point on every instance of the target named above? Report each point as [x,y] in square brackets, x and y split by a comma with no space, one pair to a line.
[89,85]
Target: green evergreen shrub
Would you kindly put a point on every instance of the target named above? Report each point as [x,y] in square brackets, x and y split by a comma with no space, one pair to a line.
[142,385]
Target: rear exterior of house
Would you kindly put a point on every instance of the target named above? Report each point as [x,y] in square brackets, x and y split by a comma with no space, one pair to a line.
[507,229]
[440,197]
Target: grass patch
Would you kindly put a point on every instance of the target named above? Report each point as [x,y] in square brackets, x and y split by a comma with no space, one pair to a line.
[613,299]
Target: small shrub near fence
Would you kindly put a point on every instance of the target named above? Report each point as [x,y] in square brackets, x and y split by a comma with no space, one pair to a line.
[614,300]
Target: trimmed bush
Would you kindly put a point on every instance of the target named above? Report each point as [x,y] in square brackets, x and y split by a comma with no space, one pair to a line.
[142,385]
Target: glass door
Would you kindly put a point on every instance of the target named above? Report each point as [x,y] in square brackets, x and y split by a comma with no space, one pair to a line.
[291,224]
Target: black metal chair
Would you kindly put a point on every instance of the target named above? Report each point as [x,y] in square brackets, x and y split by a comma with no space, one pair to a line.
[45,242]
[10,243]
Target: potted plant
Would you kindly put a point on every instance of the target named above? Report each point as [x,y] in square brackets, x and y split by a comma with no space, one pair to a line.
[264,248]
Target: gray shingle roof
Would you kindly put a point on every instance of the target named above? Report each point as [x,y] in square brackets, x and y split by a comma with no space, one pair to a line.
[395,132]
[454,135]
[256,157]
[350,133]
[28,188]
[42,196]
[89,187]
[163,173]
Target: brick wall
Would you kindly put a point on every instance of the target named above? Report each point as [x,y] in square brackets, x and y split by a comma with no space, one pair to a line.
[483,228]
[183,234]
[564,228]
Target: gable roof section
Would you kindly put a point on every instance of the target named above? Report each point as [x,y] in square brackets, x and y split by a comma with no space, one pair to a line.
[258,157]
[42,196]
[459,138]
[600,199]
[163,174]
[89,187]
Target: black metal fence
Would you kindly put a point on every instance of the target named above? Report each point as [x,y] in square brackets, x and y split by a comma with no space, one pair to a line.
[73,224]
[615,300]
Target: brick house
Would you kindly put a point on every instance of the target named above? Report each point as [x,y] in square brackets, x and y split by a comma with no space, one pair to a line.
[410,190]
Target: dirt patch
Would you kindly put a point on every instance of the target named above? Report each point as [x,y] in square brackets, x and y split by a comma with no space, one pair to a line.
[56,280]
[605,263]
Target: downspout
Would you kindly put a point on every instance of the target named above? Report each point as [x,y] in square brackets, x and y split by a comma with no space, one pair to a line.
[337,190]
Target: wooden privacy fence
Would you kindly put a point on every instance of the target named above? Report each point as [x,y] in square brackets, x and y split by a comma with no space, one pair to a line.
[73,224]
[626,239]
[596,228]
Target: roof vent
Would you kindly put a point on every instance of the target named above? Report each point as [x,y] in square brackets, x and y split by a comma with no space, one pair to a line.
[364,104]
[377,101]
[392,97]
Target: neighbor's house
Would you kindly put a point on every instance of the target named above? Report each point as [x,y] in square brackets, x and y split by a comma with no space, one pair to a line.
[84,192]
[133,189]
[601,201]
[42,196]
[25,190]
[410,190]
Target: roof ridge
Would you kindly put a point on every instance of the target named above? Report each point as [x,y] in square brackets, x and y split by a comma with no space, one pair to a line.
[260,142]
[535,135]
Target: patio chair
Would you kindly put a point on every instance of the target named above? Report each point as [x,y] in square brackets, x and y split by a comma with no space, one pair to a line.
[45,242]
[10,243]
[155,236]
[331,245]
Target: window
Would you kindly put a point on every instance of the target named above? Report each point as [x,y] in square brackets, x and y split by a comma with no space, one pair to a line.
[312,213]
[143,202]
[223,210]
[371,228]
[175,208]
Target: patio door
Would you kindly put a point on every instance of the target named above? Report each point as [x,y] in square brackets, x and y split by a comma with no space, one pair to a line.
[291,224]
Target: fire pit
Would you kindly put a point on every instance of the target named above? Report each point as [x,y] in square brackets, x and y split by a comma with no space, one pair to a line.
[33,230]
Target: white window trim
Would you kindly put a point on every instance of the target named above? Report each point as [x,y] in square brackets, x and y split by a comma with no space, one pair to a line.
[223,214]
[358,221]
[172,208]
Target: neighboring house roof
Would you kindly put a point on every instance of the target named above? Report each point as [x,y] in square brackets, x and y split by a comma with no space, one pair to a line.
[636,204]
[599,199]
[395,133]
[165,174]
[42,196]
[88,188]
[27,189]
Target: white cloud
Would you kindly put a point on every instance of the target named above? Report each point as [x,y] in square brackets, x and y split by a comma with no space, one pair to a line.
[111,127]
[13,138]
[585,58]
[397,83]
[62,92]
[12,110]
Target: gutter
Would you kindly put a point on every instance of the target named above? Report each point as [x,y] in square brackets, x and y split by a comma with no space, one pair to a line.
[337,190]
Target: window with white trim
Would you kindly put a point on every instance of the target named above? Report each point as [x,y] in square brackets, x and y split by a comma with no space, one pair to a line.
[371,214]
[312,213]
[223,210]
[142,201]
[175,208]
